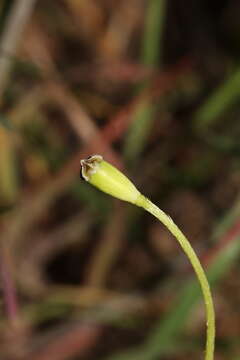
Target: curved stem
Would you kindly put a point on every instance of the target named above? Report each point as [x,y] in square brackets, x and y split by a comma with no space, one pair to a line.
[187,248]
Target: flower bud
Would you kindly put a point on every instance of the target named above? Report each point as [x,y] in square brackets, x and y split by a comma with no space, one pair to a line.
[108,179]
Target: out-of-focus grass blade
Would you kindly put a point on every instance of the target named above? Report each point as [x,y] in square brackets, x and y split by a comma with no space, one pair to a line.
[217,103]
[153,31]
[228,221]
[139,131]
[151,49]
[8,174]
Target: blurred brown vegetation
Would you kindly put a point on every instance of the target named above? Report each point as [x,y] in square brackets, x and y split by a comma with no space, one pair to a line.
[153,86]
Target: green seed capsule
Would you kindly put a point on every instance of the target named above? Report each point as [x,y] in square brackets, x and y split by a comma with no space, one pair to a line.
[108,179]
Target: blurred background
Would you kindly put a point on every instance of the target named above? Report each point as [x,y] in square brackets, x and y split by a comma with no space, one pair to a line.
[154,87]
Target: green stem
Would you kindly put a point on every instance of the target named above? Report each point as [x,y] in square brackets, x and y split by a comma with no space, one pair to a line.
[146,204]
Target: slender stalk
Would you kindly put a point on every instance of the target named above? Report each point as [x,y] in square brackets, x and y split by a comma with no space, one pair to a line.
[146,204]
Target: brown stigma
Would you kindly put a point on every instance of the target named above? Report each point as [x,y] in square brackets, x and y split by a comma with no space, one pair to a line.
[89,166]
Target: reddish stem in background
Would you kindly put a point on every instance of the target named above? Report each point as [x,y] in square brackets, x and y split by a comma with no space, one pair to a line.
[75,341]
[229,236]
[9,289]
